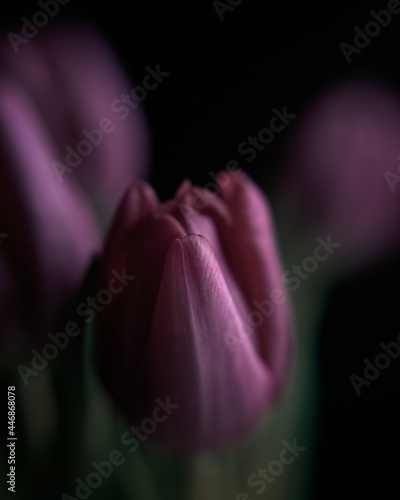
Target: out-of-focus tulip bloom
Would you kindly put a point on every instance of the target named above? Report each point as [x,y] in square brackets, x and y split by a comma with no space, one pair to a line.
[187,326]
[73,77]
[336,168]
[60,83]
[52,234]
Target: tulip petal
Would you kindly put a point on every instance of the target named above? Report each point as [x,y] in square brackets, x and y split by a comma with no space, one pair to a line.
[139,202]
[201,212]
[76,82]
[92,81]
[53,237]
[221,392]
[249,245]
[144,254]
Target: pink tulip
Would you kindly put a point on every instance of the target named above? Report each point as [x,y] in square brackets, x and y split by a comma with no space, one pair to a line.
[73,77]
[186,327]
[52,235]
[61,82]
[341,168]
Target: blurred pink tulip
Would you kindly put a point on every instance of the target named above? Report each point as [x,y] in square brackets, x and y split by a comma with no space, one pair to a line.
[186,327]
[337,165]
[62,82]
[73,77]
[52,232]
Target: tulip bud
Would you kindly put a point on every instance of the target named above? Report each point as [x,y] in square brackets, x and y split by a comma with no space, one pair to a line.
[187,327]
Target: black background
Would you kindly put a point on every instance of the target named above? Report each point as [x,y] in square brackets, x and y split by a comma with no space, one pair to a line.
[225,78]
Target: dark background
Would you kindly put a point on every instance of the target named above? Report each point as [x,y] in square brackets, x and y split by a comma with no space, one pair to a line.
[225,78]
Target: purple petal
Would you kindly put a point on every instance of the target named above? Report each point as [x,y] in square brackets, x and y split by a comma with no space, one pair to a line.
[52,234]
[250,248]
[221,393]
[124,324]
[74,77]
